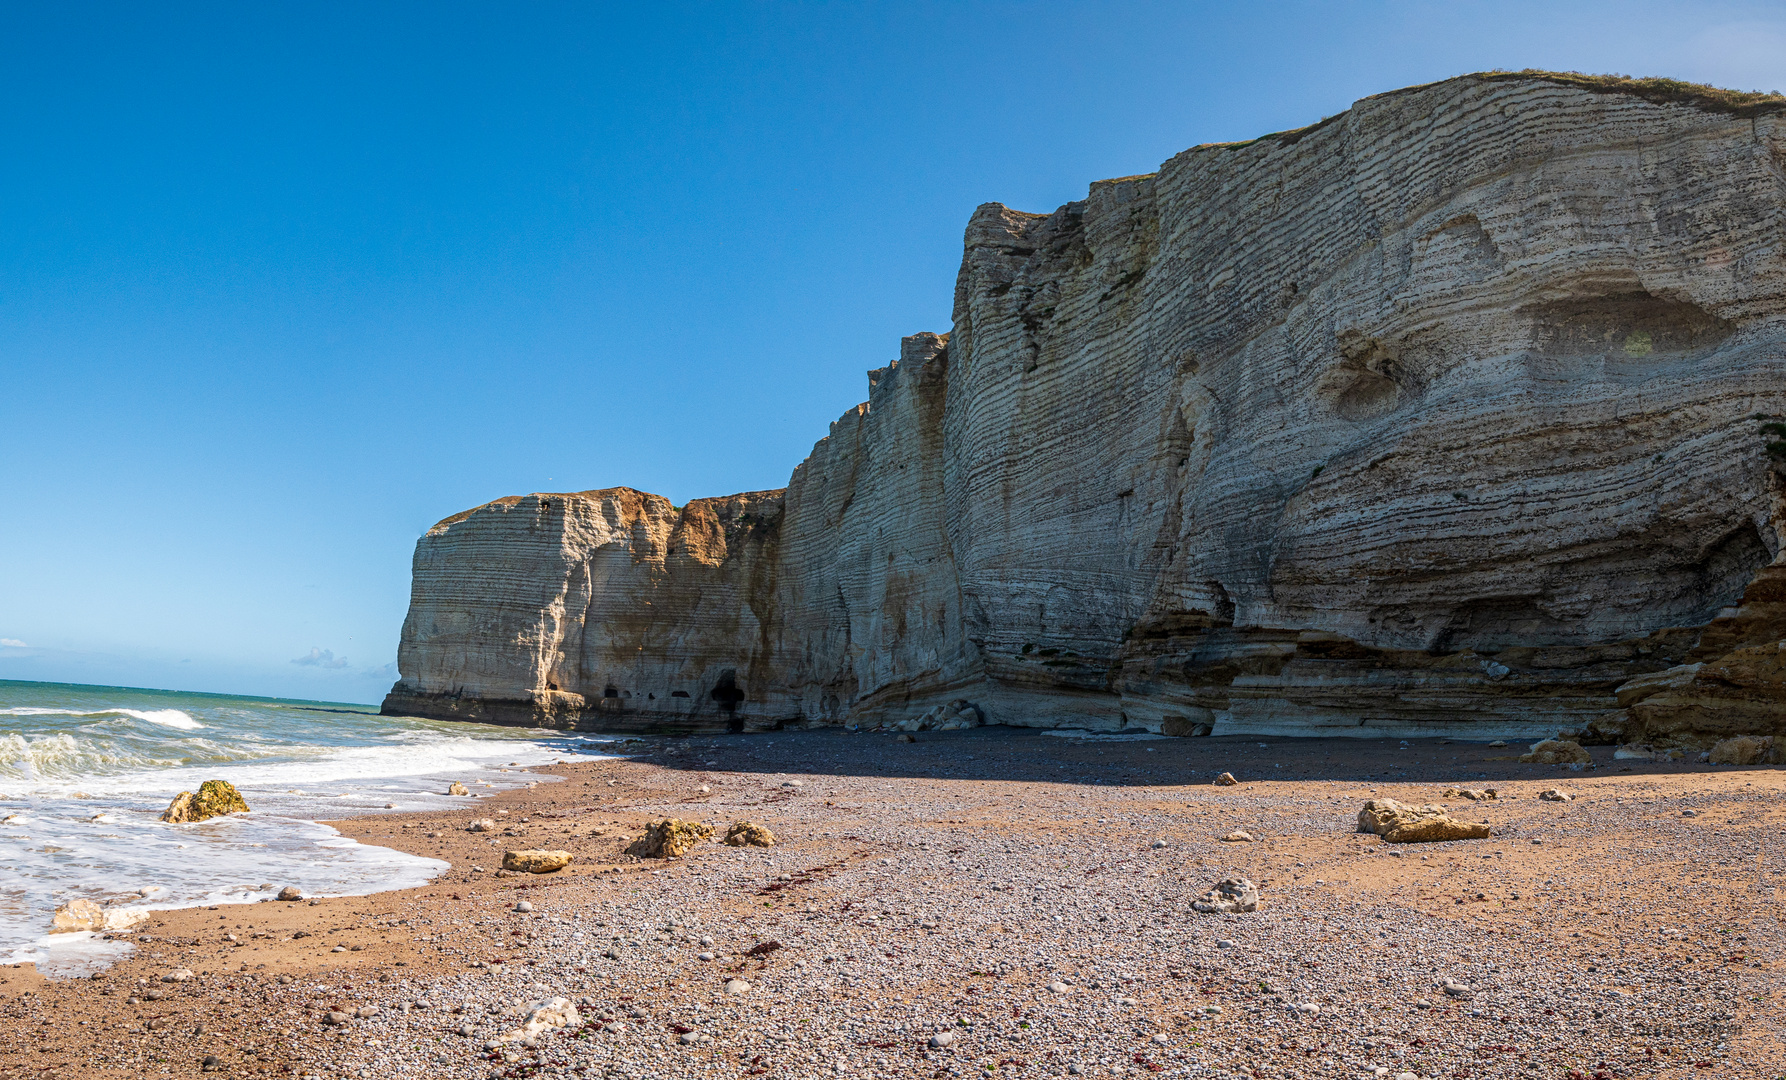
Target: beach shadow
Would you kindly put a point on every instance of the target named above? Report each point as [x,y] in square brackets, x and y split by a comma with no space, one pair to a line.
[1028,755]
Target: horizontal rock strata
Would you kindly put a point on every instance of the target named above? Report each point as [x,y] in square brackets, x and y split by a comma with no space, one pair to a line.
[1450,414]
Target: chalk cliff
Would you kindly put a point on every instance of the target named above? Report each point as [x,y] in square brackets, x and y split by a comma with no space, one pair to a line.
[1449,413]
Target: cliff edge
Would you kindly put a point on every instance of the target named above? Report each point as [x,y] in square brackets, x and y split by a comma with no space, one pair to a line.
[1449,414]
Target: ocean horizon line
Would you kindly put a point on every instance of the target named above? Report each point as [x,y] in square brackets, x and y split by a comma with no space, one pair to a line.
[357,706]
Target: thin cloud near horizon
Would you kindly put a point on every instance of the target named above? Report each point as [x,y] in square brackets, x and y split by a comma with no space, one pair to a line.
[322,658]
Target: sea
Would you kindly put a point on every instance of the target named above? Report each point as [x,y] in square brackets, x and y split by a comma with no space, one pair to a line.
[86,771]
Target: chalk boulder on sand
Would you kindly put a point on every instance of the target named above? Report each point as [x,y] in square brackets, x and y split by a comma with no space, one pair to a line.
[1400,823]
[1742,750]
[749,834]
[79,915]
[535,862]
[542,1017]
[1556,752]
[670,838]
[1230,896]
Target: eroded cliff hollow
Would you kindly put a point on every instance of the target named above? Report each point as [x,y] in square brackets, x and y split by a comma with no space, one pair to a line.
[1447,413]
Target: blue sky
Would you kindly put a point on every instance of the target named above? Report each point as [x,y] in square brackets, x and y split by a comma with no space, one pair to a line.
[282,285]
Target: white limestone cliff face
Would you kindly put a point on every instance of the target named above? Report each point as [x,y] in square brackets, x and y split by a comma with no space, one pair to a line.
[560,609]
[1440,413]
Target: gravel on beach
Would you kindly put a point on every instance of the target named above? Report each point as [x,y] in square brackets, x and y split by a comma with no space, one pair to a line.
[991,903]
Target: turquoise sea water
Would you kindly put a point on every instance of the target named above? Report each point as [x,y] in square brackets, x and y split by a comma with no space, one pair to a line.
[85,772]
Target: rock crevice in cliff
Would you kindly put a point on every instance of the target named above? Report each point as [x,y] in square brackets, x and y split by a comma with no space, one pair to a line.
[1446,413]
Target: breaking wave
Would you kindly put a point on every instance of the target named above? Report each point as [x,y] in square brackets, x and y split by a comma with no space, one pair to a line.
[173,718]
[64,756]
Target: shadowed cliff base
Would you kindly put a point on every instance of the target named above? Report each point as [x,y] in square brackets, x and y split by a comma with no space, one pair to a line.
[1447,415]
[1025,755]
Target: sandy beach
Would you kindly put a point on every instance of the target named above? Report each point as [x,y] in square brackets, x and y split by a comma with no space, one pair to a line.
[993,902]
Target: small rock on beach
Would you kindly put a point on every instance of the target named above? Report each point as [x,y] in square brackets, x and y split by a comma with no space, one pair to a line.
[1230,896]
[535,861]
[749,834]
[1556,752]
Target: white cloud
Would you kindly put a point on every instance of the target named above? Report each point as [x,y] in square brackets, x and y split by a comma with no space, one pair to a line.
[322,658]
[12,643]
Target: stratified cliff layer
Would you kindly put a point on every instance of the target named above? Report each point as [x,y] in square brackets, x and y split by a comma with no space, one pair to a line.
[598,607]
[1448,413]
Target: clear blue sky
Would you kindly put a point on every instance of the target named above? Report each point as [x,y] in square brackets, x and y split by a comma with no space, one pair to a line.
[282,285]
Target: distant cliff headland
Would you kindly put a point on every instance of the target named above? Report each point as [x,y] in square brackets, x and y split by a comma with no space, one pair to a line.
[1458,412]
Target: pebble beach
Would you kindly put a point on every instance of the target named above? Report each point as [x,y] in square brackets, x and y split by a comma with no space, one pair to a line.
[991,902]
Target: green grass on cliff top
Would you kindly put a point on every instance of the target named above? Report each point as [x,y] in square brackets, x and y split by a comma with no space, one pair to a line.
[1660,91]
[1664,91]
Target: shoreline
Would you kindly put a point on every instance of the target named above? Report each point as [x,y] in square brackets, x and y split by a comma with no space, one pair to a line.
[90,772]
[918,886]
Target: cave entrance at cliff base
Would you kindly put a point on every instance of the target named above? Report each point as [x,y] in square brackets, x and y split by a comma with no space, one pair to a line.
[728,695]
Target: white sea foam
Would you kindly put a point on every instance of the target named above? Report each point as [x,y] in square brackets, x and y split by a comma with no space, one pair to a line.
[70,955]
[66,763]
[71,757]
[95,769]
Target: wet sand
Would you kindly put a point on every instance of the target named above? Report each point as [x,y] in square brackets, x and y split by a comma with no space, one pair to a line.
[995,902]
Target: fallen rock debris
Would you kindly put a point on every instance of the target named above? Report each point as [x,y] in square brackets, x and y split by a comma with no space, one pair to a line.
[535,861]
[1556,752]
[1230,896]
[1401,823]
[671,838]
[82,914]
[954,716]
[543,1016]
[749,834]
[1742,750]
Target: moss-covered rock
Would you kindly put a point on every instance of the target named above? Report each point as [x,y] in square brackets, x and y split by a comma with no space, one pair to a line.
[215,798]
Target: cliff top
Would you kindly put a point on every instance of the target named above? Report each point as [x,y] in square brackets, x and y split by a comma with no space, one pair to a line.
[1656,90]
[627,495]
[1660,91]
